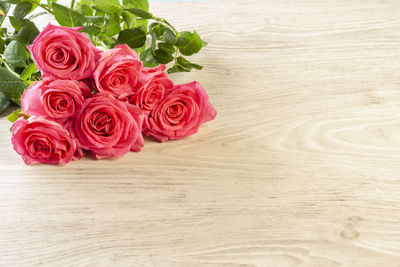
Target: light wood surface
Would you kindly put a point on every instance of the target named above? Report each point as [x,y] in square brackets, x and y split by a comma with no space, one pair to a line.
[300,168]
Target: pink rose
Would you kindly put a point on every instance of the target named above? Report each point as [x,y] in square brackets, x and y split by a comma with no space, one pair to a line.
[64,53]
[42,141]
[153,84]
[118,71]
[180,113]
[56,99]
[108,127]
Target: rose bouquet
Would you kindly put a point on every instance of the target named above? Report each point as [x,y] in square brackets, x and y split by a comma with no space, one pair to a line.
[88,99]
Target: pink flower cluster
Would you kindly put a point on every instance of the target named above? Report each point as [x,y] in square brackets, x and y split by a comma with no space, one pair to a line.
[97,102]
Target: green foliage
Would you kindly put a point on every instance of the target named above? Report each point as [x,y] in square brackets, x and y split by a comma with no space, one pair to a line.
[133,37]
[22,9]
[140,4]
[112,26]
[148,59]
[108,6]
[189,43]
[106,22]
[86,10]
[2,46]
[16,54]
[170,37]
[4,8]
[140,13]
[97,20]
[183,65]
[168,48]
[91,29]
[162,56]
[12,1]
[28,33]
[17,24]
[67,17]
[11,85]
[157,28]
[4,102]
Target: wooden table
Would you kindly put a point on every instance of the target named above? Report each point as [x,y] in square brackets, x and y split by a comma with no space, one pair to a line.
[300,168]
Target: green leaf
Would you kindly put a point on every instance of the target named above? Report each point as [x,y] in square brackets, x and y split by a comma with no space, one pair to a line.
[148,58]
[11,85]
[108,6]
[67,17]
[98,12]
[13,117]
[85,2]
[182,61]
[169,36]
[177,68]
[142,4]
[86,10]
[3,32]
[158,28]
[113,25]
[162,56]
[2,46]
[189,43]
[16,54]
[106,41]
[140,49]
[142,24]
[99,20]
[12,1]
[28,33]
[91,29]
[4,102]
[4,8]
[22,9]
[141,13]
[135,37]
[17,24]
[166,47]
[2,17]
[129,18]
[183,65]
[28,71]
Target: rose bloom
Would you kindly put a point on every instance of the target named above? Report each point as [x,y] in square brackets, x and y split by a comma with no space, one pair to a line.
[180,113]
[56,99]
[108,127]
[118,71]
[39,140]
[64,53]
[152,86]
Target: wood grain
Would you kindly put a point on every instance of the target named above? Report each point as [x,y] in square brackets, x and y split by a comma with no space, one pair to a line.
[300,168]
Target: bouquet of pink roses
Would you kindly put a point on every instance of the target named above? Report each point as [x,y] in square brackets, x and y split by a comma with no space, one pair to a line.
[100,102]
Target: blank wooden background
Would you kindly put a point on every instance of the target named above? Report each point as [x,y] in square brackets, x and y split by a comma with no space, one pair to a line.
[300,168]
